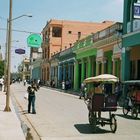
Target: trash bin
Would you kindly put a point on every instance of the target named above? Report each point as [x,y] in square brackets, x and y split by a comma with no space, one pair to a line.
[0,87]
[63,85]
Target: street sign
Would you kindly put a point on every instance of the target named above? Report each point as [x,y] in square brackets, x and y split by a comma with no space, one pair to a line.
[136,10]
[34,40]
[20,51]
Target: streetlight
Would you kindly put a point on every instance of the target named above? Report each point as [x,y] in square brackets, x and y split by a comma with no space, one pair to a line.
[9,38]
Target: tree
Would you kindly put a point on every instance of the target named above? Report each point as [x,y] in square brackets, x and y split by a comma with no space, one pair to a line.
[1,68]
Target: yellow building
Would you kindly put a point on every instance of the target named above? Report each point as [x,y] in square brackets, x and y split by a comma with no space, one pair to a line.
[26,69]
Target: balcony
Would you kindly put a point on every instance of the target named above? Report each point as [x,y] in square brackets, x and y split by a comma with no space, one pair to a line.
[107,36]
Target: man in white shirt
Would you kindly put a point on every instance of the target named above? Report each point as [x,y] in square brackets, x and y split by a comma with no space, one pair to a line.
[1,84]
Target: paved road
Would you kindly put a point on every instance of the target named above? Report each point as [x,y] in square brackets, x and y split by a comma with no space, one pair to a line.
[61,116]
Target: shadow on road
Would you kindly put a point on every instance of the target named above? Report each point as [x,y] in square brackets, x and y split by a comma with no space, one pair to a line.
[88,129]
[127,117]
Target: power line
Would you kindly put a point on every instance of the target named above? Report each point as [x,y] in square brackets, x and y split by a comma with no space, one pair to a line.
[16,30]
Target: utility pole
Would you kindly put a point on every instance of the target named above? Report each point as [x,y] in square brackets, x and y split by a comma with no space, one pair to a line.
[8,79]
[6,58]
[7,108]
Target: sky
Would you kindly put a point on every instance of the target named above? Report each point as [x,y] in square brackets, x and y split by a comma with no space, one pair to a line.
[44,10]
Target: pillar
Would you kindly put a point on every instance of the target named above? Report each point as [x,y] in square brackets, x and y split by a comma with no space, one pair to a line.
[103,66]
[83,71]
[64,72]
[69,71]
[97,68]
[76,75]
[89,67]
[125,65]
[114,66]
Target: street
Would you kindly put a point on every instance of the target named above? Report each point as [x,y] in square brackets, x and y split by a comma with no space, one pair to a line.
[61,116]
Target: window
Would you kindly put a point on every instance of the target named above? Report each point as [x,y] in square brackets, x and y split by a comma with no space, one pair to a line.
[70,32]
[56,32]
[79,35]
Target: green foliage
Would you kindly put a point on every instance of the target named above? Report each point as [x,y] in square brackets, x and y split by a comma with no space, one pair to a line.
[1,68]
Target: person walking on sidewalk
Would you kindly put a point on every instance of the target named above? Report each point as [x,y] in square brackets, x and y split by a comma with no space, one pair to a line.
[31,98]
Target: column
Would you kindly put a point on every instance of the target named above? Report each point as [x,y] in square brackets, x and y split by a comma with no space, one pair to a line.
[64,72]
[89,67]
[125,65]
[52,76]
[114,66]
[103,66]
[83,71]
[69,71]
[59,75]
[76,75]
[97,68]
[110,66]
[72,75]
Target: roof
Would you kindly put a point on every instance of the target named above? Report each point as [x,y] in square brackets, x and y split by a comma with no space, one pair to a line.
[102,78]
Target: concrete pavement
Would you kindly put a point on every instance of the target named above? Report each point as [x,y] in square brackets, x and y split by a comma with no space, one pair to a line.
[10,126]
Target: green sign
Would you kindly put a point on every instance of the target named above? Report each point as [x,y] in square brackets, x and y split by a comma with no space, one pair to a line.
[34,40]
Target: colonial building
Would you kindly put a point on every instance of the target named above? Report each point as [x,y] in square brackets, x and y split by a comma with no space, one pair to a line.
[26,69]
[35,63]
[54,74]
[84,65]
[108,44]
[99,53]
[131,40]
[66,67]
[59,35]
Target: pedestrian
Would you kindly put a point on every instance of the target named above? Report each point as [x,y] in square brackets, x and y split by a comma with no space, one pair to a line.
[82,92]
[31,98]
[118,90]
[1,84]
[24,82]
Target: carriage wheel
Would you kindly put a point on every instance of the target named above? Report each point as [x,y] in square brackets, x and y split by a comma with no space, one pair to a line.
[134,112]
[92,118]
[113,124]
[125,110]
[126,107]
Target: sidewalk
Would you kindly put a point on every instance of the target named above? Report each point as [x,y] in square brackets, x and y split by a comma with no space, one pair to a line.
[10,127]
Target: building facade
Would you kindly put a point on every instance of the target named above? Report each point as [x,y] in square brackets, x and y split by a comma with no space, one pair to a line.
[66,68]
[35,63]
[108,43]
[84,65]
[99,53]
[59,35]
[26,69]
[54,74]
[131,41]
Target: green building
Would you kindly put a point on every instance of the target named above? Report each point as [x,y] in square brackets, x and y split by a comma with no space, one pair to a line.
[131,40]
[85,64]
